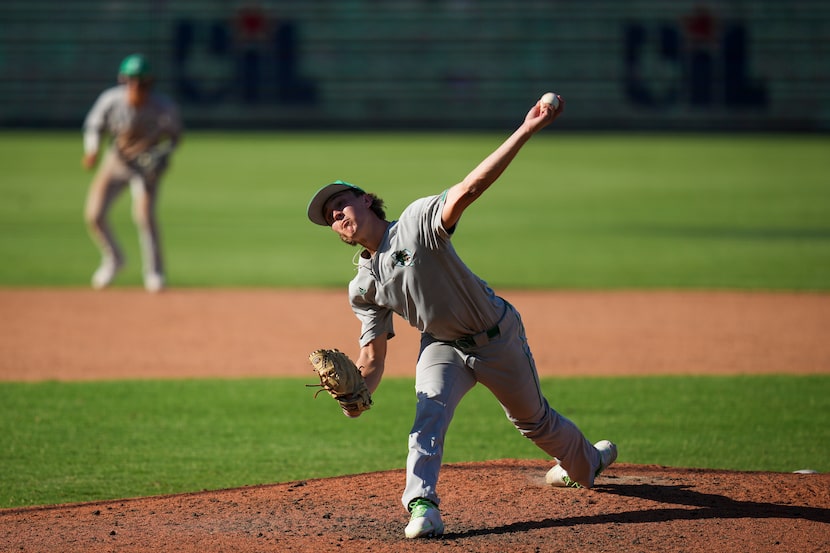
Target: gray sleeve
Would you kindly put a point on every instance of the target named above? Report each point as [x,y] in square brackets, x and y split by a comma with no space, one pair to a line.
[96,121]
[426,214]
[374,320]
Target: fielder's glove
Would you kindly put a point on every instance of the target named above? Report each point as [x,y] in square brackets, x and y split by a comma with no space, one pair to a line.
[342,380]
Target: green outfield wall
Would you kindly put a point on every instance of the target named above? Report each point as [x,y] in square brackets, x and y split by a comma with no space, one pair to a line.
[648,64]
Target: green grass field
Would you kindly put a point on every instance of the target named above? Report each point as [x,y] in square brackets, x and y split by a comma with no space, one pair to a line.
[65,442]
[573,211]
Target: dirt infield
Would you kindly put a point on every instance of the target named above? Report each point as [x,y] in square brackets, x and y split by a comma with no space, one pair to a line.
[494,506]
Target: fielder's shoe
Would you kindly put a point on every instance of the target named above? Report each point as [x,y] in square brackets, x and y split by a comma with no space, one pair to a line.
[153,282]
[558,476]
[425,520]
[105,274]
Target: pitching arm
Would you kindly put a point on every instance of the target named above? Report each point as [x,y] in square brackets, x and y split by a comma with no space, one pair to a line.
[460,196]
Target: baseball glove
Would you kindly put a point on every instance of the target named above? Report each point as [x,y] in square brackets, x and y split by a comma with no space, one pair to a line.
[342,380]
[148,161]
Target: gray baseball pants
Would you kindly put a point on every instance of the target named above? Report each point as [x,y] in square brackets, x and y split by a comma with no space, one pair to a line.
[445,373]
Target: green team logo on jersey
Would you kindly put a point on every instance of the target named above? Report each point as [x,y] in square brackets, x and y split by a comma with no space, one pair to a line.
[402,258]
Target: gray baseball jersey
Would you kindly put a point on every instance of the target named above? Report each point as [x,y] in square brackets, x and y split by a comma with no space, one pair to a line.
[417,274]
[134,130]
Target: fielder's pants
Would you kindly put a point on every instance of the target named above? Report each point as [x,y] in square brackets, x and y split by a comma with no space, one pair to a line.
[112,178]
[444,374]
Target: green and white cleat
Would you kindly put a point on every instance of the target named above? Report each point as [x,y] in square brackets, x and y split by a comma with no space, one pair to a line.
[425,520]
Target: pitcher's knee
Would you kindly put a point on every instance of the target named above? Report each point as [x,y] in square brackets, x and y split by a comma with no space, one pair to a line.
[536,427]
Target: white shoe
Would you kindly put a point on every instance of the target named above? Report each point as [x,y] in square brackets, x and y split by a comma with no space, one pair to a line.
[153,282]
[105,274]
[607,455]
[558,476]
[425,521]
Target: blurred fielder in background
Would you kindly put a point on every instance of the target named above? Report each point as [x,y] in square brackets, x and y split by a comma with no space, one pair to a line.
[144,127]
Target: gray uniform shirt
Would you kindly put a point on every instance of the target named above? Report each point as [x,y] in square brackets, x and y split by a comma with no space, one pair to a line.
[134,130]
[417,274]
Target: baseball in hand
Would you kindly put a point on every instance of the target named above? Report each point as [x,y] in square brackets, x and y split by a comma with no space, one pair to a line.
[551,99]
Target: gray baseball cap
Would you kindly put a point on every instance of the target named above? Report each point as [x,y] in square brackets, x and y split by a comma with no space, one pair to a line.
[318,202]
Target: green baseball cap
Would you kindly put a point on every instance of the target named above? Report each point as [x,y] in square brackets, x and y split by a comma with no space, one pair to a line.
[135,66]
[318,202]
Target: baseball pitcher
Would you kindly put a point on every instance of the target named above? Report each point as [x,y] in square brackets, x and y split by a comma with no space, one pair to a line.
[469,335]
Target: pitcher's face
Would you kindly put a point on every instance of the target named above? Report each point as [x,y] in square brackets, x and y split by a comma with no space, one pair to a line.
[344,212]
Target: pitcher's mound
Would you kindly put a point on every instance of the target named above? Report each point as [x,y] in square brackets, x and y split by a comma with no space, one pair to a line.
[488,507]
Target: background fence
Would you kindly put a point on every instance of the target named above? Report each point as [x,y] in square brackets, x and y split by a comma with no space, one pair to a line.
[647,64]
